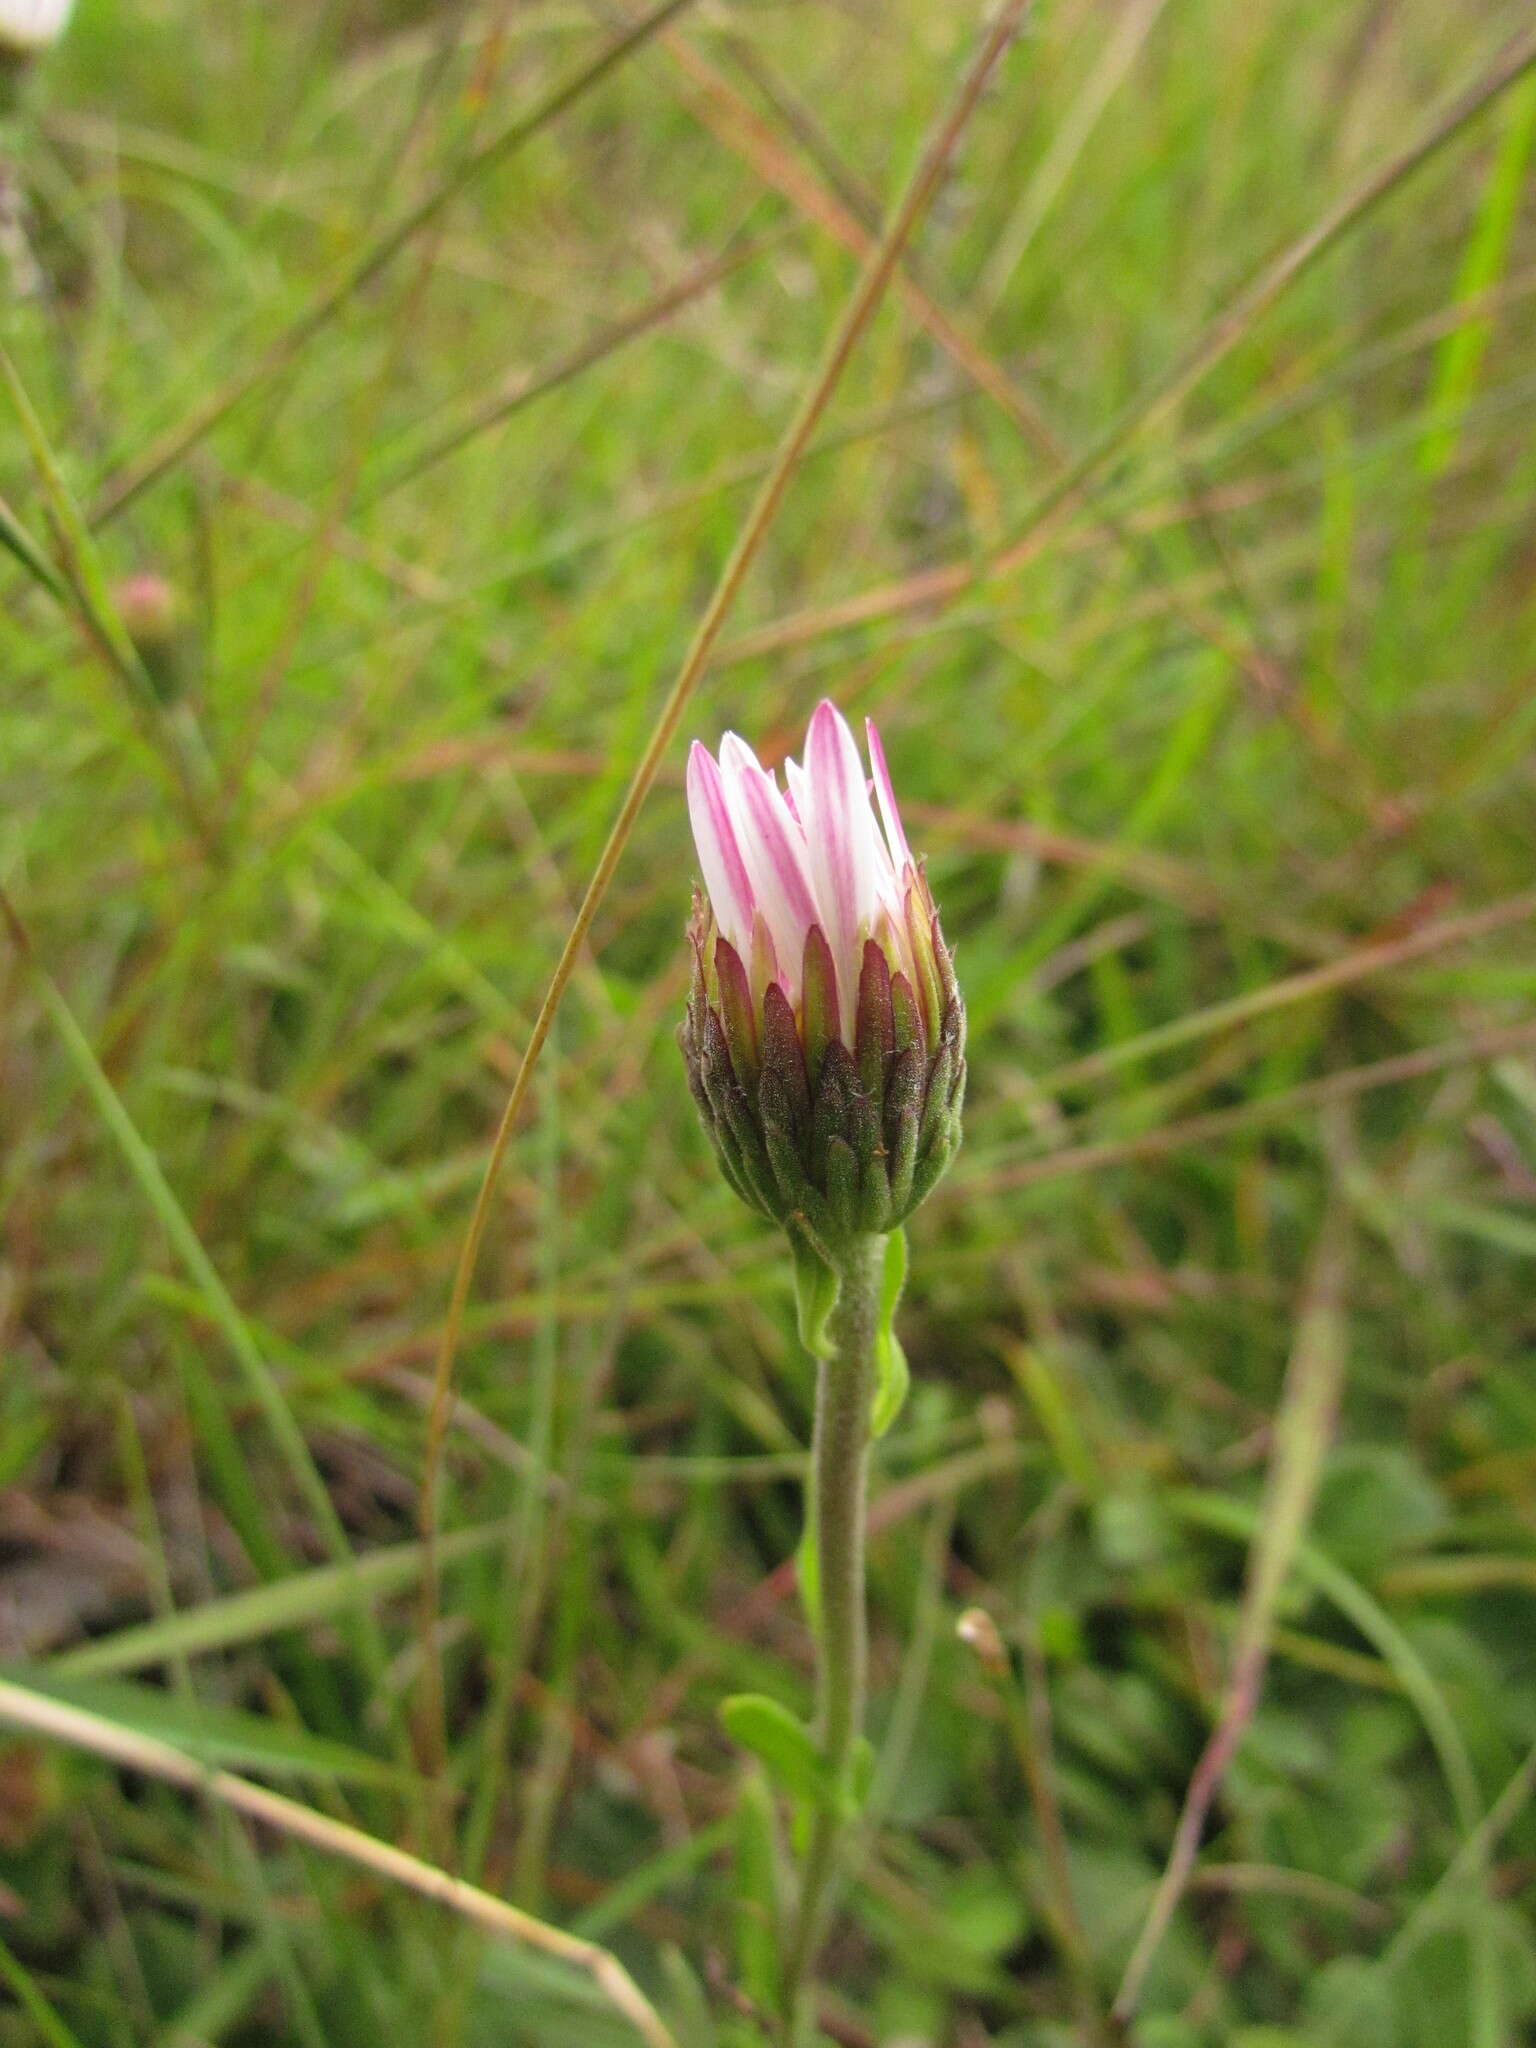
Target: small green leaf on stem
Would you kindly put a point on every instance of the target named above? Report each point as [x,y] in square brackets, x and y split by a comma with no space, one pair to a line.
[783,1744]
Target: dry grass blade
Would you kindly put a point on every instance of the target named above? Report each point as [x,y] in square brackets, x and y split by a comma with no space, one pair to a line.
[1073,131]
[741,130]
[1303,1428]
[379,254]
[940,585]
[1221,1123]
[36,1715]
[1442,1904]
[82,590]
[264,1387]
[1223,333]
[1314,981]
[866,296]
[523,388]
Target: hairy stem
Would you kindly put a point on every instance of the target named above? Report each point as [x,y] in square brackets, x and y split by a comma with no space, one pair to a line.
[840,1466]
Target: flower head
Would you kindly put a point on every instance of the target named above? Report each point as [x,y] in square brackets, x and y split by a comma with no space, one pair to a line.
[155,615]
[27,26]
[825,1035]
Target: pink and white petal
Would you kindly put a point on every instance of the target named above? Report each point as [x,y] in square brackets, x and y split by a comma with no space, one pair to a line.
[773,847]
[885,796]
[890,934]
[840,837]
[888,884]
[764,965]
[726,880]
[794,796]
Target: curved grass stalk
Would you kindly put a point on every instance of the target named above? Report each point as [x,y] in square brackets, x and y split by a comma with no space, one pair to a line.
[36,1715]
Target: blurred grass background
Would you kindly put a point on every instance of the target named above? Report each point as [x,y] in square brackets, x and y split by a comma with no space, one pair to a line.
[1224,770]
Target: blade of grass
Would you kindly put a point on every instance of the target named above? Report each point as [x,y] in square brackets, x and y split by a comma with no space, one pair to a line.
[223,1999]
[525,1555]
[1221,1123]
[211,1732]
[1234,1518]
[523,388]
[734,122]
[1049,178]
[525,1559]
[354,276]
[161,1197]
[1170,775]
[34,1714]
[16,541]
[83,591]
[51,2030]
[1359,965]
[640,1885]
[1459,358]
[1470,1860]
[1223,333]
[1303,1431]
[942,584]
[368,408]
[301,1599]
[1025,1702]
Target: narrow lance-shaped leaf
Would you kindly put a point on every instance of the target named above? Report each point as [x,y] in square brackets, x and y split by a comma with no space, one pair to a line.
[736,1012]
[876,1035]
[819,1000]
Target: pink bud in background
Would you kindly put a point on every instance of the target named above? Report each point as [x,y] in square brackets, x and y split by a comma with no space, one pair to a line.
[148,604]
[156,617]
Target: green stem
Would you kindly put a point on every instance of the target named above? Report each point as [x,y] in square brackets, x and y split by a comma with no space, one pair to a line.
[840,1465]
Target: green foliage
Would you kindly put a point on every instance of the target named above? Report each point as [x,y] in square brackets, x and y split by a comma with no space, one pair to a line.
[1209,756]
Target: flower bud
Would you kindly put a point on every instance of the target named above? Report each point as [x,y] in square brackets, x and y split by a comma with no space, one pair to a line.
[981,1635]
[824,1035]
[154,613]
[27,26]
